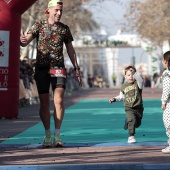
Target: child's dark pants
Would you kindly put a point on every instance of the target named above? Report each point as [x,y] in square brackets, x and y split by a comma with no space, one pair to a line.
[134,118]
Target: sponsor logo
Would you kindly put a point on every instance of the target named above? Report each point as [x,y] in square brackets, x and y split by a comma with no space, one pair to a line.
[4,60]
[2,48]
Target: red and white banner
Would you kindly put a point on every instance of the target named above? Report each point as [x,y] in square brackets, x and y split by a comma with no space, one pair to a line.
[4,59]
[10,26]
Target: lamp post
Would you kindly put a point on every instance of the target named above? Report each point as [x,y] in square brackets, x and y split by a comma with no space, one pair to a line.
[133,59]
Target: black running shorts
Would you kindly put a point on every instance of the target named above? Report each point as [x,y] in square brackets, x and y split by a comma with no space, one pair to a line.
[43,81]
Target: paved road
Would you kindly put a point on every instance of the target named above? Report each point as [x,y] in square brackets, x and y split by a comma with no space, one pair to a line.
[28,116]
[86,156]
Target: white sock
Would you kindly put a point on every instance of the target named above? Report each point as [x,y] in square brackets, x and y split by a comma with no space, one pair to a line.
[57,131]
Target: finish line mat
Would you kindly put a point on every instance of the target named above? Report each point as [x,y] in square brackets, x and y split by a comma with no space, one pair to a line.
[98,121]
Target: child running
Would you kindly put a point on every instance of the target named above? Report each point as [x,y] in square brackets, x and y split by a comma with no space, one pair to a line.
[131,95]
[166,97]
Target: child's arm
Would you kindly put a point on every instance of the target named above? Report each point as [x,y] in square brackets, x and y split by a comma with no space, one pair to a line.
[118,98]
[165,91]
[163,106]
[139,79]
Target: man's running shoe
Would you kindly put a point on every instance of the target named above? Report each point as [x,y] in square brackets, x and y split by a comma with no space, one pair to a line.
[47,141]
[57,140]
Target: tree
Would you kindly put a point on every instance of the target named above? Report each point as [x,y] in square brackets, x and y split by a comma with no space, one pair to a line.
[77,17]
[74,15]
[150,19]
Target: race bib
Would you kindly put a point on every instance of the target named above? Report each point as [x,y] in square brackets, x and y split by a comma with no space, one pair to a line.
[56,72]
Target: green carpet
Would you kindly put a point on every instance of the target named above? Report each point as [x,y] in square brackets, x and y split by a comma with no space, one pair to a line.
[97,121]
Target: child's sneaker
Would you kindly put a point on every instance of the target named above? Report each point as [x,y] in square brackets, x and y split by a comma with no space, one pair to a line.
[131,139]
[166,150]
[47,141]
[57,140]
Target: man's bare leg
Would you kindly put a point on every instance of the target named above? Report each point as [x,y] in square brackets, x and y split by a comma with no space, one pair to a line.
[58,114]
[44,113]
[44,110]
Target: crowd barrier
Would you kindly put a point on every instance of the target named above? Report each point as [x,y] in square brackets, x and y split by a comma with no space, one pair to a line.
[30,96]
[27,96]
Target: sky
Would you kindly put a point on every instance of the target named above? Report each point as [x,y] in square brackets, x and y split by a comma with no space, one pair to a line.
[109,15]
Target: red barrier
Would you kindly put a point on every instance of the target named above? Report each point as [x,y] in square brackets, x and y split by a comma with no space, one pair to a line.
[10,25]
